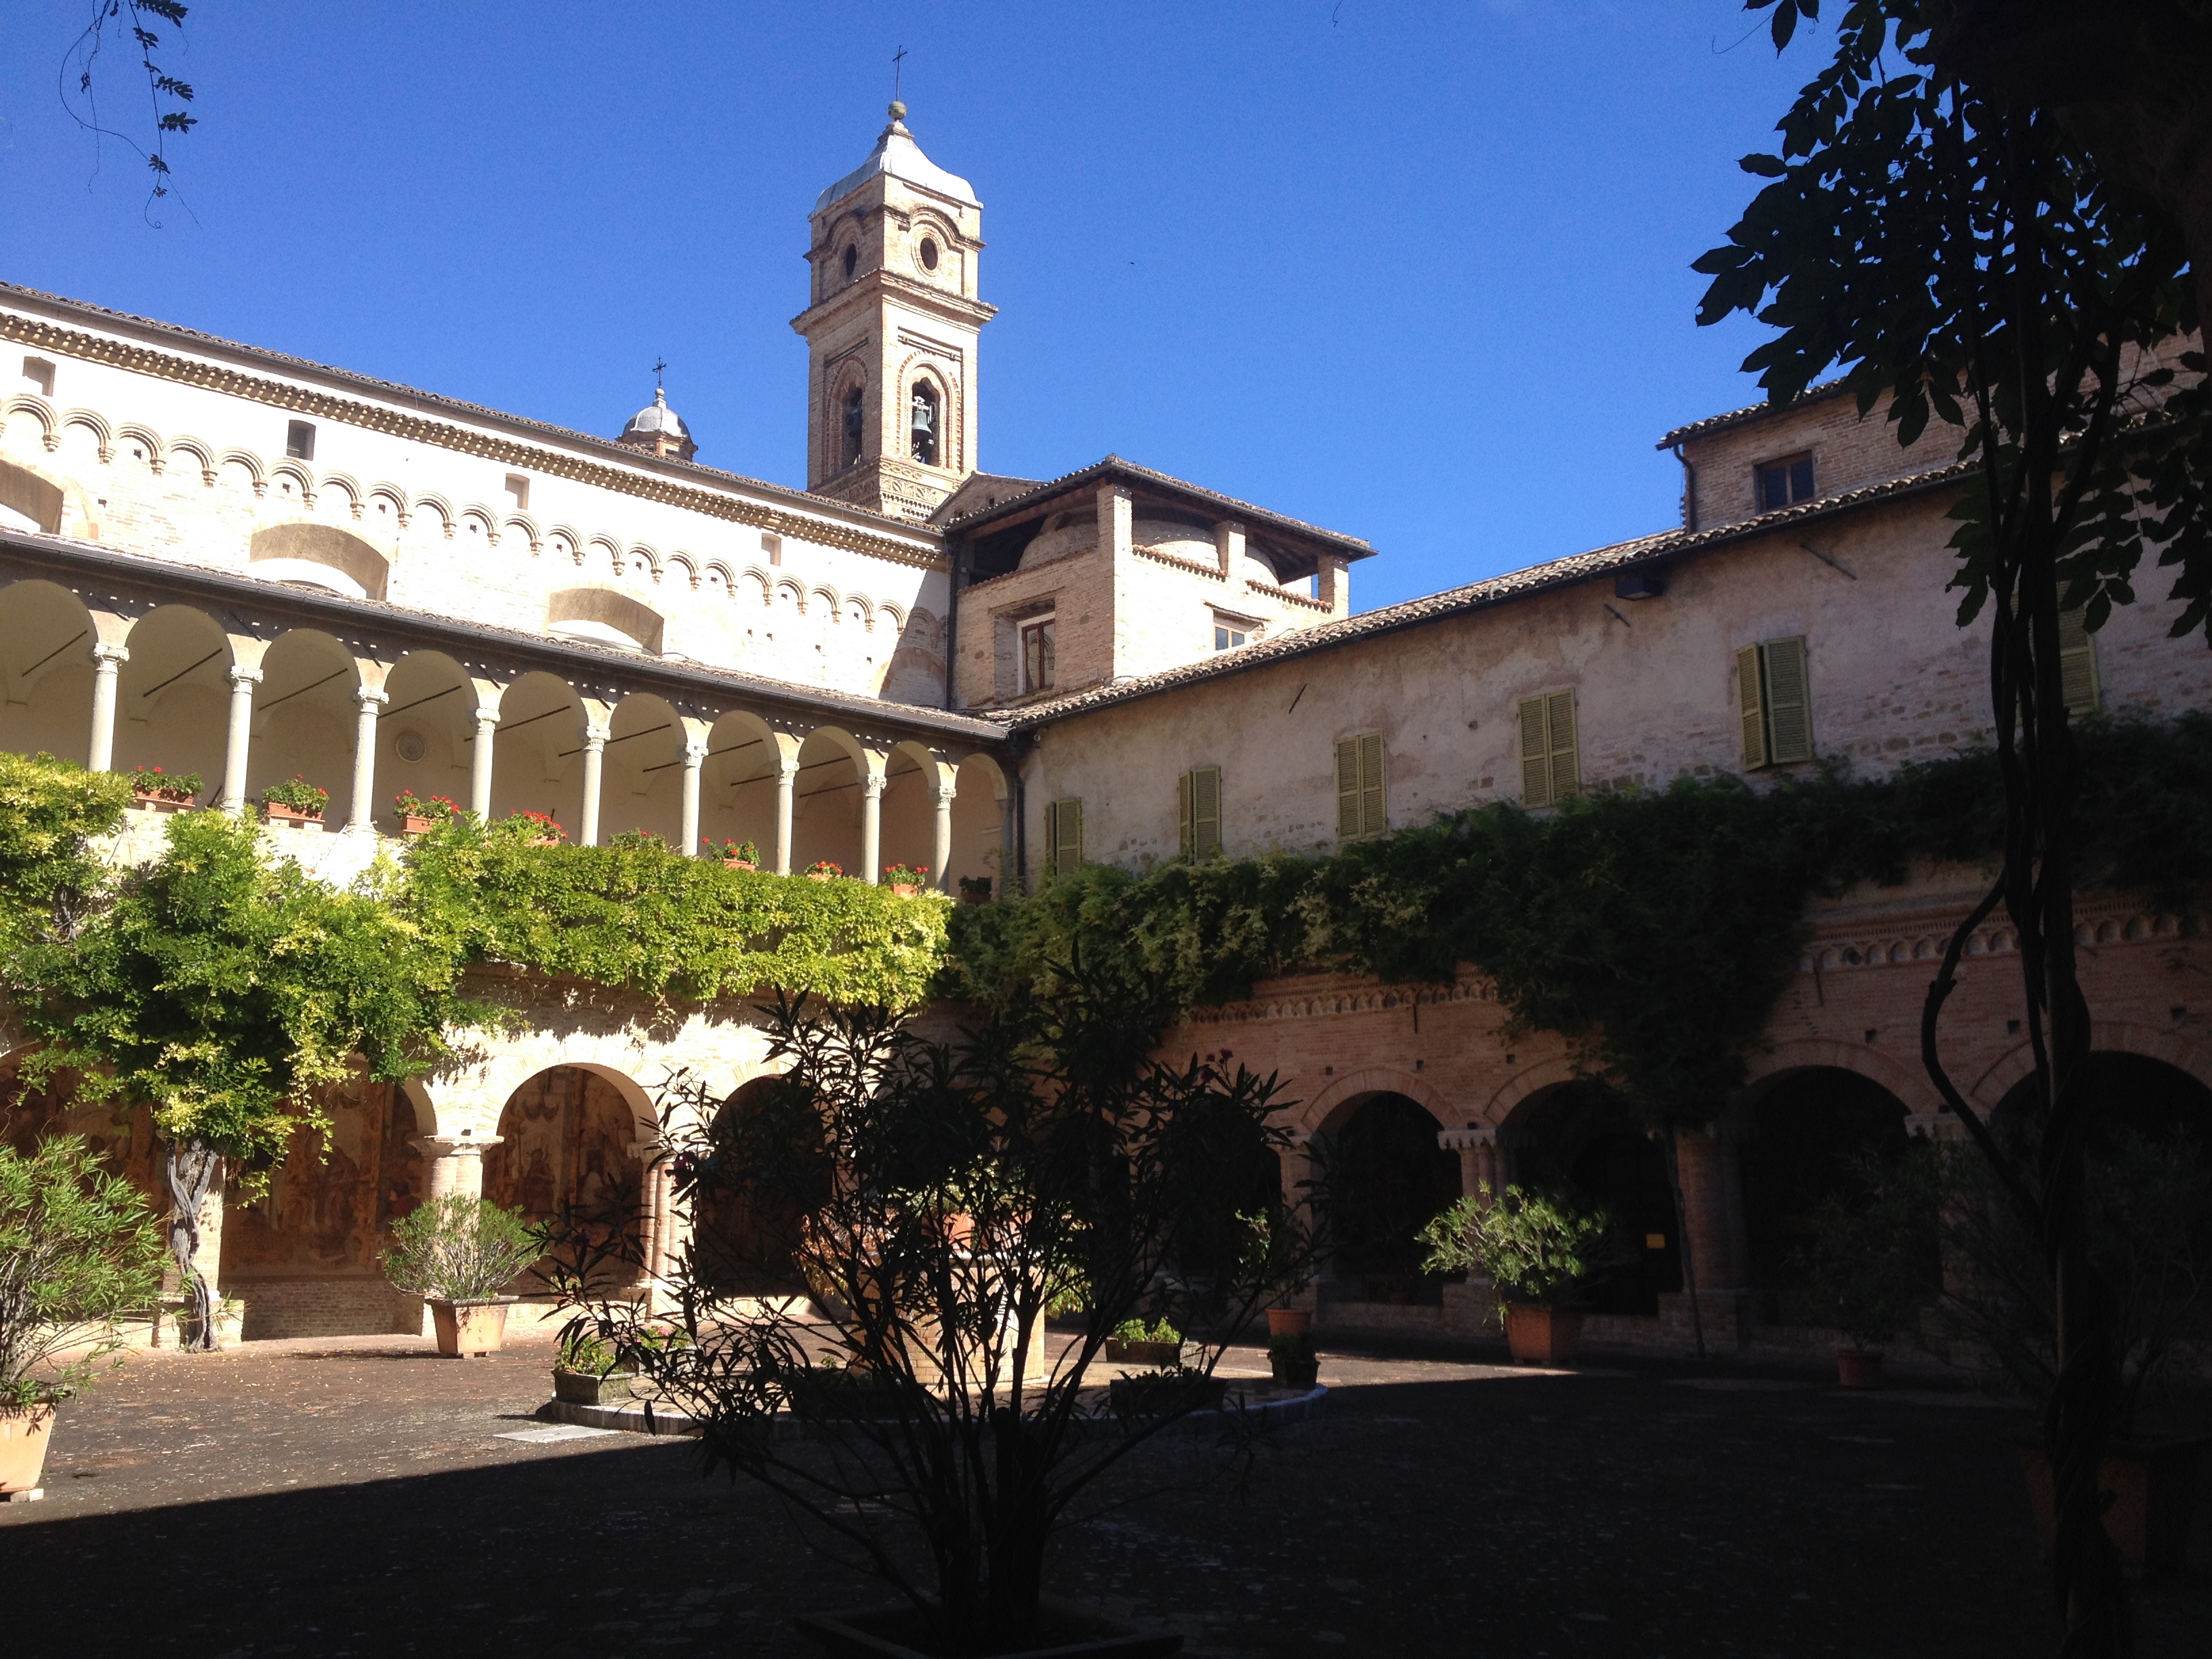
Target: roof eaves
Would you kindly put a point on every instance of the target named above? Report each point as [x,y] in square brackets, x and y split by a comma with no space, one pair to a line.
[1712,424]
[1114,466]
[1475,596]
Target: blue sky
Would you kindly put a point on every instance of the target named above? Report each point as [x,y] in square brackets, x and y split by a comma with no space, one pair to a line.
[1419,273]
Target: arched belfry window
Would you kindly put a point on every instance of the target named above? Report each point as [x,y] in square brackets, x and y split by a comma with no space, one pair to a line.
[855,425]
[927,422]
[852,260]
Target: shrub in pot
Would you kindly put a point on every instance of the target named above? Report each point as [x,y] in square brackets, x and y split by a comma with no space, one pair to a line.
[1537,1248]
[152,786]
[1292,1359]
[1135,1343]
[419,814]
[295,802]
[906,879]
[79,1248]
[587,1371]
[459,1255]
[1872,1262]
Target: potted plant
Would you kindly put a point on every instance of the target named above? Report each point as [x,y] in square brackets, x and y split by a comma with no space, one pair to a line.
[2150,1214]
[975,889]
[536,828]
[79,1247]
[297,802]
[1134,1344]
[164,792]
[1537,1248]
[459,1253]
[740,855]
[1292,1359]
[1871,1264]
[906,879]
[587,1371]
[419,814]
[823,870]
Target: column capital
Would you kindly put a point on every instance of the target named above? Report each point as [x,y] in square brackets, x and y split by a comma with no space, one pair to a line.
[108,658]
[487,714]
[455,1145]
[367,696]
[1941,1126]
[596,735]
[787,766]
[945,794]
[871,786]
[243,676]
[1461,1140]
[695,752]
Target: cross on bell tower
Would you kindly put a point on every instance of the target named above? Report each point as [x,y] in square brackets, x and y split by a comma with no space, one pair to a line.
[891,331]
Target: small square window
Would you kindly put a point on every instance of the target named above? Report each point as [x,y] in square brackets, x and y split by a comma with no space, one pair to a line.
[1036,654]
[1227,635]
[518,492]
[300,440]
[39,375]
[1784,483]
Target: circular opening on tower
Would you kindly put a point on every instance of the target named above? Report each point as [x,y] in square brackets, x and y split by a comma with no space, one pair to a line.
[929,253]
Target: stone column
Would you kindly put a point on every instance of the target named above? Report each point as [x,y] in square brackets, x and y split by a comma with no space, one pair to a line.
[1478,1158]
[107,662]
[367,704]
[787,773]
[1944,1129]
[456,1162]
[595,760]
[240,736]
[942,848]
[480,761]
[872,825]
[1710,1166]
[694,757]
[1298,1162]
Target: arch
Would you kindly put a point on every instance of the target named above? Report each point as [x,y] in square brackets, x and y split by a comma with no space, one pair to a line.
[306,554]
[1579,1134]
[144,443]
[387,505]
[605,616]
[826,801]
[1327,1107]
[38,409]
[536,750]
[1813,1122]
[29,492]
[1524,1084]
[440,509]
[571,1138]
[1384,1177]
[172,702]
[248,462]
[2178,1049]
[925,421]
[912,775]
[846,419]
[525,528]
[343,486]
[640,563]
[291,478]
[743,1241]
[478,521]
[684,562]
[716,577]
[199,449]
[563,541]
[425,732]
[303,718]
[102,434]
[46,637]
[642,773]
[1901,1077]
[737,785]
[979,816]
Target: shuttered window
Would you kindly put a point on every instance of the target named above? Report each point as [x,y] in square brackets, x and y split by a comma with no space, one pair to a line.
[1359,788]
[1775,703]
[2077,664]
[1063,835]
[1551,770]
[1198,807]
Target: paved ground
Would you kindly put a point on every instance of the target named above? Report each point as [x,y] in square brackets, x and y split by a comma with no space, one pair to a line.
[354,1497]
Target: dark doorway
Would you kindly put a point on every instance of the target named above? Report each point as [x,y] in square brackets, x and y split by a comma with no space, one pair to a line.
[1580,1138]
[1811,1125]
[1386,1179]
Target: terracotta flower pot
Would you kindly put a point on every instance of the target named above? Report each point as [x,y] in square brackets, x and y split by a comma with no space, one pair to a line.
[279,814]
[1120,1352]
[2153,1487]
[739,864]
[161,800]
[1289,1321]
[1294,1370]
[469,1328]
[1858,1368]
[1542,1336]
[415,823]
[905,889]
[23,1435]
[589,1389]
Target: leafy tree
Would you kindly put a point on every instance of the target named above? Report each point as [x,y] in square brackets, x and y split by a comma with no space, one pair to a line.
[1958,249]
[78,1247]
[226,992]
[130,27]
[51,811]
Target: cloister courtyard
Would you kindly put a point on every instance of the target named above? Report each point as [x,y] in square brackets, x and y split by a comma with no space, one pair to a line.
[363,1496]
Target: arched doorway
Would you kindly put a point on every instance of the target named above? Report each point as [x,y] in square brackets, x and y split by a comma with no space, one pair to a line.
[1581,1139]
[1385,1179]
[568,1154]
[2131,1094]
[745,1218]
[1811,1125]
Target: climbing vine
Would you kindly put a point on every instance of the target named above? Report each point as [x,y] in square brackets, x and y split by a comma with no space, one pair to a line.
[1654,931]
[50,813]
[640,915]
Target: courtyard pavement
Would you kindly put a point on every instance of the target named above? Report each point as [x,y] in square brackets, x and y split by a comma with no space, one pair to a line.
[356,1496]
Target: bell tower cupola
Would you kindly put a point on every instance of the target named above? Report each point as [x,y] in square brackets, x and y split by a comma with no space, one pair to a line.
[891,331]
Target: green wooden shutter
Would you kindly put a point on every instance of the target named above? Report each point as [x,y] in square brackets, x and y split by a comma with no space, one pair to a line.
[1535,754]
[1751,706]
[1348,789]
[1559,740]
[1788,711]
[1372,819]
[1204,786]
[1186,838]
[2077,664]
[1064,835]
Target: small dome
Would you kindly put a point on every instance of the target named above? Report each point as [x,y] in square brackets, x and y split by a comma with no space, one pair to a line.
[658,428]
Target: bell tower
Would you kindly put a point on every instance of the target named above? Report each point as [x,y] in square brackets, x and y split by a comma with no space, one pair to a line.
[891,331]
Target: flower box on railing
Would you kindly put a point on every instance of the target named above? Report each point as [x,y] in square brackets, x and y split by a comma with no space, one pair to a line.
[739,864]
[417,823]
[163,791]
[162,800]
[280,813]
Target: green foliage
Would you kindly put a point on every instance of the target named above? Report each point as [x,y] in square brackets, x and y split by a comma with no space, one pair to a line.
[459,1248]
[1535,1246]
[78,1247]
[1872,1262]
[225,991]
[642,916]
[298,794]
[153,781]
[438,809]
[581,1351]
[1135,1330]
[1654,929]
[50,812]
